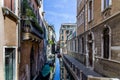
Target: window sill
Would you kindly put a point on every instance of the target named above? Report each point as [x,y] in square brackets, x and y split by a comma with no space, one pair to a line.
[110,60]
[90,21]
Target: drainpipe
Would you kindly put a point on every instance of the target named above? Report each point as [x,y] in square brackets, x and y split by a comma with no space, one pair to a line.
[19,30]
[84,14]
[86,52]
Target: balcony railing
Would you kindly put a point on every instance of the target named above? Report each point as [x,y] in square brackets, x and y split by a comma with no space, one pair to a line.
[30,22]
[73,69]
[81,73]
[33,30]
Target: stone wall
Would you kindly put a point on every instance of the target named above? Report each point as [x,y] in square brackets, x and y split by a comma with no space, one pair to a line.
[25,60]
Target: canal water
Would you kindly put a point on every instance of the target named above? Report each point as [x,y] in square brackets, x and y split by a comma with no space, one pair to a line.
[57,70]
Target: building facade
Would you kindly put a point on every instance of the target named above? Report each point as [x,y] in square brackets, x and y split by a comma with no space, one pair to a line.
[22,39]
[33,39]
[65,31]
[51,40]
[51,47]
[97,38]
[9,39]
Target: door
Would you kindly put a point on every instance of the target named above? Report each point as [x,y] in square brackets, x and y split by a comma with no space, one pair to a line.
[32,69]
[10,64]
[90,54]
[90,50]
[106,43]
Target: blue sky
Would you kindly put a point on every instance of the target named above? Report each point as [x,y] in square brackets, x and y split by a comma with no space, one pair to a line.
[60,11]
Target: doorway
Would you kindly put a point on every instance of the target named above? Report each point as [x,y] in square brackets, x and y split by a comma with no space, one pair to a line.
[90,50]
[106,41]
[10,63]
[32,69]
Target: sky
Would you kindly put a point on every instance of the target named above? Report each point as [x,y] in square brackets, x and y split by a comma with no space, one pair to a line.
[58,12]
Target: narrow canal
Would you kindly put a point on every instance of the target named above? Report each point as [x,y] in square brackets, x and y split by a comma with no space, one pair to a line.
[57,70]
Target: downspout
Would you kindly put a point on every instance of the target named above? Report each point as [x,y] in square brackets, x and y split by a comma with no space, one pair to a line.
[84,14]
[19,36]
[19,30]
[85,41]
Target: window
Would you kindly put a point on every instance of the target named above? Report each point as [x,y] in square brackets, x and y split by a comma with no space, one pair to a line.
[90,10]
[105,4]
[10,4]
[62,44]
[78,44]
[71,32]
[80,18]
[62,38]
[61,31]
[82,45]
[70,45]
[9,63]
[106,43]
[67,31]
[75,46]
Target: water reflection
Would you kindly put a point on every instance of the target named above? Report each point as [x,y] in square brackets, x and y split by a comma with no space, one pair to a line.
[57,71]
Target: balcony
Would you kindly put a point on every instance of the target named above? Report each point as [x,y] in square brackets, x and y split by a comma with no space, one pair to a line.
[31,31]
[30,26]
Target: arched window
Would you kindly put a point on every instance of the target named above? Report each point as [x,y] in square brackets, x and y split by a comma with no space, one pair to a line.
[106,43]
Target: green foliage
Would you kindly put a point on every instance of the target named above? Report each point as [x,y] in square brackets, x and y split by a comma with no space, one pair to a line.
[30,13]
[37,25]
[25,3]
[51,42]
[27,22]
[31,16]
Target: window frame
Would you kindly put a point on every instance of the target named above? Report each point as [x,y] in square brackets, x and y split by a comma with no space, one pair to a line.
[11,4]
[102,43]
[15,73]
[105,4]
[90,10]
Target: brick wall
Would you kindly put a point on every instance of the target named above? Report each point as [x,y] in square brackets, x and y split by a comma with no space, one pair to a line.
[25,61]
